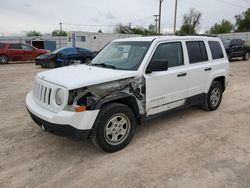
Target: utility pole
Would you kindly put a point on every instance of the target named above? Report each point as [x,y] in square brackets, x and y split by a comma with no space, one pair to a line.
[60,45]
[175,15]
[159,23]
[60,26]
[156,22]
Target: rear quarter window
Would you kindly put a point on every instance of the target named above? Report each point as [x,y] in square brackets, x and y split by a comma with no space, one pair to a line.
[216,50]
[196,51]
[2,45]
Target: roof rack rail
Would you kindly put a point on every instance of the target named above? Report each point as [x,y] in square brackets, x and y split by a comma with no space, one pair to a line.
[204,35]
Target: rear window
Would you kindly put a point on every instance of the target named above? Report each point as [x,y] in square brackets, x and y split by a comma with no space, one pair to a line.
[196,51]
[2,45]
[216,50]
[69,51]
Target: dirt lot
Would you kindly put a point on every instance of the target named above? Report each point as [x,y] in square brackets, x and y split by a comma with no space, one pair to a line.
[190,148]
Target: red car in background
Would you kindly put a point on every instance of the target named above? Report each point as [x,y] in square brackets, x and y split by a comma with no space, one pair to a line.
[18,52]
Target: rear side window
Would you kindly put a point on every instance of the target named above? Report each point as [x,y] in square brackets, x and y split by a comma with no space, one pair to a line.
[2,45]
[15,46]
[216,50]
[196,52]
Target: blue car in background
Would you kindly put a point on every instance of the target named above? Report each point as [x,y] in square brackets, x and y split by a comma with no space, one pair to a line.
[64,57]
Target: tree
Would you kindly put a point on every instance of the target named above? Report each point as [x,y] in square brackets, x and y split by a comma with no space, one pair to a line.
[243,21]
[152,28]
[224,26]
[122,29]
[99,31]
[191,22]
[33,33]
[58,33]
[128,29]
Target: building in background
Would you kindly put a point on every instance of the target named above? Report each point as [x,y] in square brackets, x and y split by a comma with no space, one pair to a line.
[94,41]
[229,36]
[89,40]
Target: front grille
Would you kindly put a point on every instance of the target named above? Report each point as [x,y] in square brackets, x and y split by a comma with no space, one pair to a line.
[42,93]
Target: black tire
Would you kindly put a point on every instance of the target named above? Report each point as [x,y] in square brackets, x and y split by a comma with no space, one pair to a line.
[228,57]
[106,120]
[246,56]
[214,96]
[50,64]
[4,59]
[43,65]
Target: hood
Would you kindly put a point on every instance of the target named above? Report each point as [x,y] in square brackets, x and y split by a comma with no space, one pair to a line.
[73,77]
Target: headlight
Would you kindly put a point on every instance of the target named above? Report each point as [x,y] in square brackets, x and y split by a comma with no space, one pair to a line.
[59,97]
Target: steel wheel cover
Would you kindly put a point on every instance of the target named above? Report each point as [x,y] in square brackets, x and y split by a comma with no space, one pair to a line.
[117,129]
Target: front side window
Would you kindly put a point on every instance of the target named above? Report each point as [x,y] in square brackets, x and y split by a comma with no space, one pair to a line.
[26,47]
[216,49]
[172,52]
[122,55]
[196,51]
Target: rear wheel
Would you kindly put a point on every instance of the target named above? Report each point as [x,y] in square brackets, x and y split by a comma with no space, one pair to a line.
[228,57]
[114,127]
[4,59]
[213,98]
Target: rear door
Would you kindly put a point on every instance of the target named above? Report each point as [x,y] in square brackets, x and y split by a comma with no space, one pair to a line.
[200,67]
[240,47]
[236,48]
[15,52]
[28,52]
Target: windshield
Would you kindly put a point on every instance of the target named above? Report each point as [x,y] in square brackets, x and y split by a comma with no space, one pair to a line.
[58,50]
[122,55]
[226,42]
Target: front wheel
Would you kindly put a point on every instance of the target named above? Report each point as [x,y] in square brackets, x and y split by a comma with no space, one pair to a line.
[246,56]
[50,64]
[114,127]
[213,98]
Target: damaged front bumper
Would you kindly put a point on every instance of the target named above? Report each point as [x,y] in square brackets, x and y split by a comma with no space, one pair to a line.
[64,123]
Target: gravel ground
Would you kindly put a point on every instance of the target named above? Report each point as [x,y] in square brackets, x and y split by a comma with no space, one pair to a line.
[189,148]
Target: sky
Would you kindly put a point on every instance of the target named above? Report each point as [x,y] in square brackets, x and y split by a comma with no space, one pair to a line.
[20,16]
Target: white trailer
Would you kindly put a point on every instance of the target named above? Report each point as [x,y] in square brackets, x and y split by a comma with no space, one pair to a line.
[94,41]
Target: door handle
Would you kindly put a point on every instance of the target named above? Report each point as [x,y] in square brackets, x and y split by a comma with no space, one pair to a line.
[182,74]
[208,69]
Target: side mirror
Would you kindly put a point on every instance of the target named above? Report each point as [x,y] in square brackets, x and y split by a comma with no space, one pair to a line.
[157,65]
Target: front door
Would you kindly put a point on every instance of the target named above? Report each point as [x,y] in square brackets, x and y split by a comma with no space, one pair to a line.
[167,89]
[28,52]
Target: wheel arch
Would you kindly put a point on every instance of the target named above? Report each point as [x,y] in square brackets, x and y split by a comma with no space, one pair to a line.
[122,98]
[221,79]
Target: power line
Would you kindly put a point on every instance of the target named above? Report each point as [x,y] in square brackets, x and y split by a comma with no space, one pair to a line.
[86,25]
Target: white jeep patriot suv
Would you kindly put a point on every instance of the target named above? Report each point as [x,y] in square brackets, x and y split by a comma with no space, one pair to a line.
[129,81]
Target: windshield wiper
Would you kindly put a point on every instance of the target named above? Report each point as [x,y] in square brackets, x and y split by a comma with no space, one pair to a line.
[105,65]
